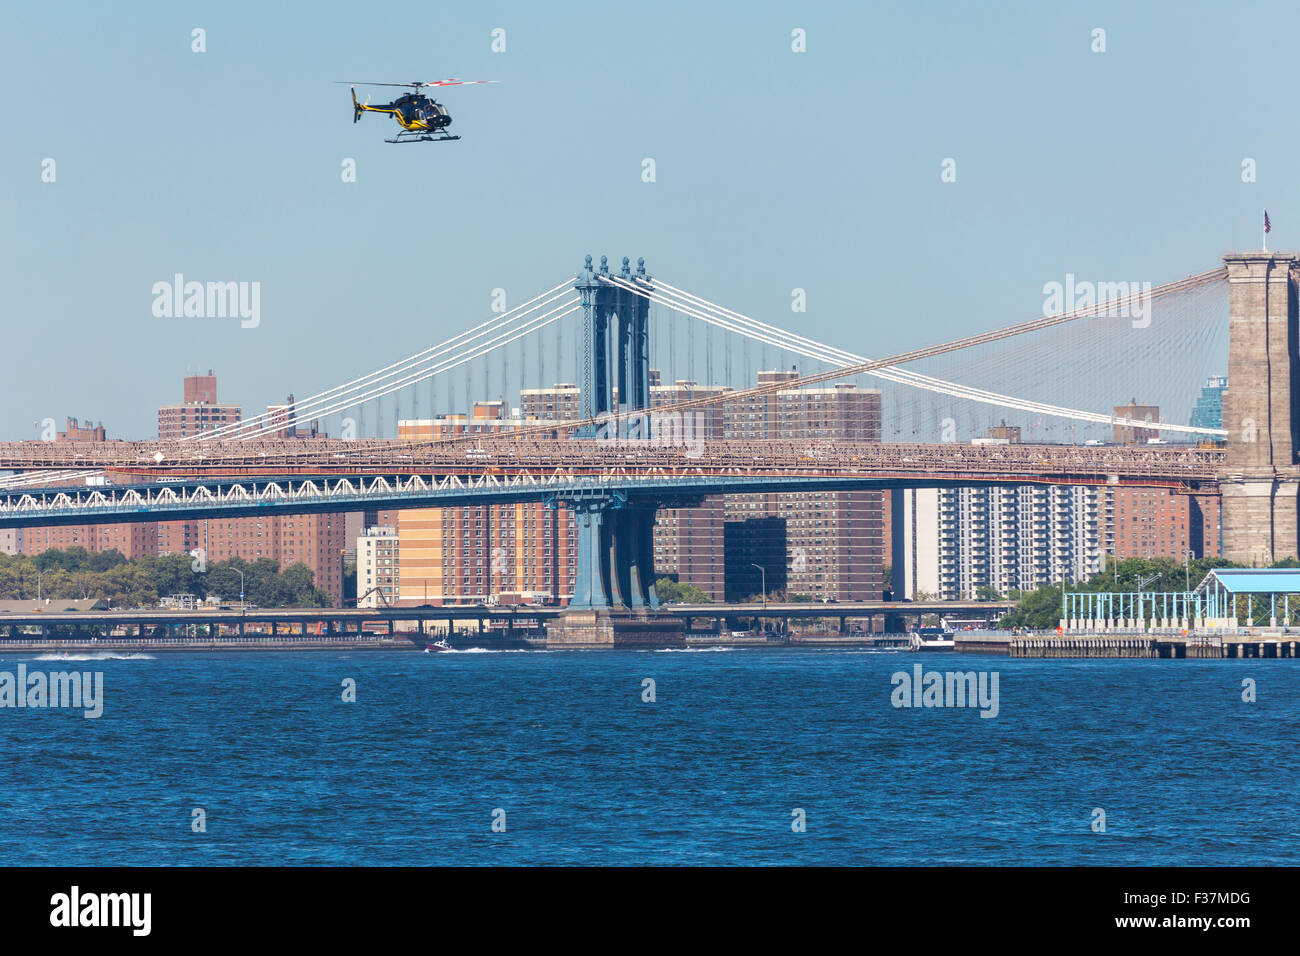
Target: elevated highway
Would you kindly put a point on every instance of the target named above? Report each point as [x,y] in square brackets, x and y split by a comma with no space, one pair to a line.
[143,623]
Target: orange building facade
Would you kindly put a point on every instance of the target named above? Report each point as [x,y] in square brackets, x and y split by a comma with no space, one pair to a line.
[466,555]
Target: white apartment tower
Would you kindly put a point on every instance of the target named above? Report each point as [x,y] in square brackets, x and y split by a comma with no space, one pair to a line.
[377,567]
[950,542]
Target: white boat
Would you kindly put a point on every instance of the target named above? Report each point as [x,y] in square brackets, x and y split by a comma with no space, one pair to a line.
[434,647]
[939,638]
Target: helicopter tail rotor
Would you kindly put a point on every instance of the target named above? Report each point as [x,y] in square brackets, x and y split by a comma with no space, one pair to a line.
[356,107]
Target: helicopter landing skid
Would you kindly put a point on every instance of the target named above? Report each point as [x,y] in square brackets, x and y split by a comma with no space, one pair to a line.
[422,138]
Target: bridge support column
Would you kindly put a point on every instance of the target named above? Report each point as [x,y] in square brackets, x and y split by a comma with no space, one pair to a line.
[613,541]
[588,585]
[636,529]
[610,311]
[1260,480]
[614,603]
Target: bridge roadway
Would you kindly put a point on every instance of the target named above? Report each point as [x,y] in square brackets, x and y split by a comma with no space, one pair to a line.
[212,481]
[344,621]
[333,457]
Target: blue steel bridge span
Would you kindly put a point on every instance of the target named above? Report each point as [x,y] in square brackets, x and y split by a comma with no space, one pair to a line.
[289,495]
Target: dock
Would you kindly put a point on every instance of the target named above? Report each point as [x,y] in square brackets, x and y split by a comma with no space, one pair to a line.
[1262,644]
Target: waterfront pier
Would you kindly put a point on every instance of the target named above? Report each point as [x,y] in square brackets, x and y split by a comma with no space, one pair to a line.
[1168,647]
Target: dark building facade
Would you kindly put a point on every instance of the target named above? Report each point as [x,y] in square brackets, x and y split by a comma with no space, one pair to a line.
[754,555]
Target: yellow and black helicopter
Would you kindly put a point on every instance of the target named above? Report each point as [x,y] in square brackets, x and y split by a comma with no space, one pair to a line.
[422,120]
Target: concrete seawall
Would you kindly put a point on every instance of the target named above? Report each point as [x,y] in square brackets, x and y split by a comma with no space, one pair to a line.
[198,644]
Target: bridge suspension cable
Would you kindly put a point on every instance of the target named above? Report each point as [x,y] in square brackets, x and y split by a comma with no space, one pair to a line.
[688,304]
[532,324]
[496,333]
[350,393]
[40,478]
[862,368]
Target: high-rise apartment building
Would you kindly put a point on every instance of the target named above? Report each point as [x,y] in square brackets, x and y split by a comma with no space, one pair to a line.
[952,542]
[316,540]
[468,554]
[199,412]
[559,403]
[833,539]
[378,567]
[754,557]
[689,545]
[1159,523]
[706,423]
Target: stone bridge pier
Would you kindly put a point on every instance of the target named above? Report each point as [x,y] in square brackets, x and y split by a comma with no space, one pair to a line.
[614,602]
[1260,480]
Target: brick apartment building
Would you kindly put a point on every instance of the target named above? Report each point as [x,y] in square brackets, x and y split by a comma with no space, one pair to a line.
[833,540]
[198,412]
[315,540]
[465,554]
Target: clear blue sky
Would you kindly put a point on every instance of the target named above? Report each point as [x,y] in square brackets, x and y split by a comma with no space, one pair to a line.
[775,170]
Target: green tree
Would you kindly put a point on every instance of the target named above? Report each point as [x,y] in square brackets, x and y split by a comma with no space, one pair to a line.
[77,574]
[349,583]
[128,585]
[103,560]
[175,574]
[1036,609]
[671,591]
[223,578]
[70,559]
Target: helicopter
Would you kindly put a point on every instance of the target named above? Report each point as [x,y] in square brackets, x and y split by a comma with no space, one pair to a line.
[422,120]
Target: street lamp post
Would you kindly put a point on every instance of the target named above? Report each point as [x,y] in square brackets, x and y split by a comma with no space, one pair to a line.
[763,571]
[243,607]
[1143,582]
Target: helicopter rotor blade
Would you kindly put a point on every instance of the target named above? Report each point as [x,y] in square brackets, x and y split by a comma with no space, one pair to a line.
[360,83]
[456,82]
[451,81]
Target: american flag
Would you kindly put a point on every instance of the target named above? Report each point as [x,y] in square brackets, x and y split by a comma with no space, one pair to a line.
[1268,226]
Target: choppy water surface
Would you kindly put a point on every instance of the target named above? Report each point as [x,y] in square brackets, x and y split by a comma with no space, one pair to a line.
[709,773]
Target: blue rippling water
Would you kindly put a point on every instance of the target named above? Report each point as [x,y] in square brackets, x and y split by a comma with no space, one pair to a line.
[709,773]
